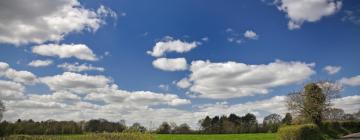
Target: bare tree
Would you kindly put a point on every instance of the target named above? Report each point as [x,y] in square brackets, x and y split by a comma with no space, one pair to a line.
[333,114]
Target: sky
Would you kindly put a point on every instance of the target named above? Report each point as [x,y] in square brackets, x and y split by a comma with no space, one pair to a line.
[176,61]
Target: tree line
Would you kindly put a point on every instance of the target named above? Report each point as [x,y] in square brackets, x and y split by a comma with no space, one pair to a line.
[312,104]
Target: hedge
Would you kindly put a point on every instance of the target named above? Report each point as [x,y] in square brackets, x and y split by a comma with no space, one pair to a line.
[339,128]
[300,132]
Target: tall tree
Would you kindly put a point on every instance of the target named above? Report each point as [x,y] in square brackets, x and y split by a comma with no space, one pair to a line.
[272,122]
[287,119]
[206,124]
[311,102]
[164,128]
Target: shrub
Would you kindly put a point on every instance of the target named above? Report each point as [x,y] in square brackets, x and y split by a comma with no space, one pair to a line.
[300,132]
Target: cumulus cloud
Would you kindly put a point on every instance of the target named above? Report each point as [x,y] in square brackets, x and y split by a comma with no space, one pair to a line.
[250,34]
[40,63]
[232,79]
[136,98]
[25,77]
[76,67]
[170,64]
[69,81]
[47,20]
[79,51]
[332,69]
[11,90]
[300,11]
[352,81]
[171,45]
[183,83]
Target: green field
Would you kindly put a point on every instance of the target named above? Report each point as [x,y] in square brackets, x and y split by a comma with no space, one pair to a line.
[218,137]
[121,136]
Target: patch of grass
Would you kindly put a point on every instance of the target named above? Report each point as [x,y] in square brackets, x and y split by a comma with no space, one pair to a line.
[260,136]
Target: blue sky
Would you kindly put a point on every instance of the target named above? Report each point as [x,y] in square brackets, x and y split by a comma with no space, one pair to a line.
[118,37]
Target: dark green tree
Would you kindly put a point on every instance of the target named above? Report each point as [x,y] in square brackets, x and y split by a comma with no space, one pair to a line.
[164,128]
[287,119]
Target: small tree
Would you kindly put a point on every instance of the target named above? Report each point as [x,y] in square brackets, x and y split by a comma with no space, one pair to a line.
[287,119]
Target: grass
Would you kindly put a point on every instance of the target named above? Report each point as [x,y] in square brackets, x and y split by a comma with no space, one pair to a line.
[138,136]
[260,136]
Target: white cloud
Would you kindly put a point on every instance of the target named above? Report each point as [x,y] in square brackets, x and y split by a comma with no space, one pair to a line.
[60,96]
[205,39]
[170,64]
[48,20]
[232,79]
[183,83]
[25,77]
[352,81]
[136,98]
[11,90]
[350,104]
[352,16]
[250,34]
[76,67]
[332,69]
[171,45]
[300,11]
[79,51]
[75,82]
[40,63]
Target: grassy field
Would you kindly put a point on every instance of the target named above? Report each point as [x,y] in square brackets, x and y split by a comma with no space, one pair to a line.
[218,137]
[136,136]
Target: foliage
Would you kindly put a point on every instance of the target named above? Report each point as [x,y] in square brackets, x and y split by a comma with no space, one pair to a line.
[336,129]
[164,128]
[231,124]
[102,125]
[287,119]
[258,136]
[312,101]
[272,122]
[300,132]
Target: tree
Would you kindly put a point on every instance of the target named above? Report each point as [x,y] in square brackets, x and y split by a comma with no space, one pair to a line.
[357,115]
[287,119]
[249,123]
[182,129]
[138,127]
[272,122]
[2,109]
[164,128]
[333,114]
[312,101]
[206,124]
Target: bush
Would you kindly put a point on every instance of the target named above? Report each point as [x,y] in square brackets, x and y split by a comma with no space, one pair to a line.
[300,132]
